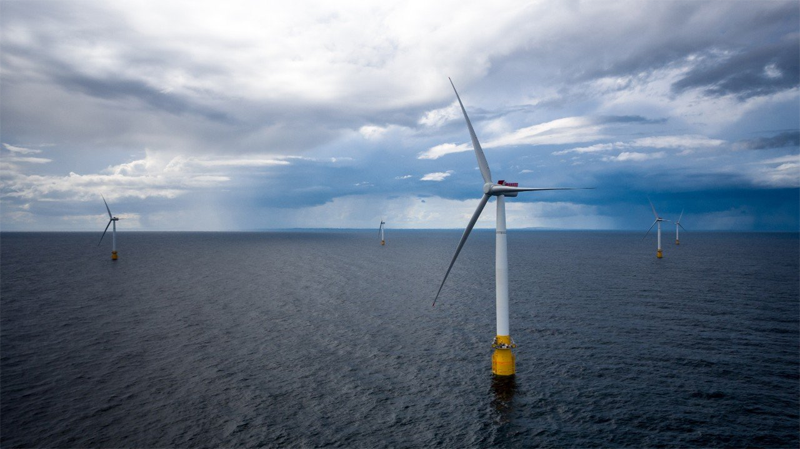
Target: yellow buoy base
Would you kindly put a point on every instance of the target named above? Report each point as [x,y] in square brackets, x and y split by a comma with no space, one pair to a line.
[503,360]
[113,255]
[383,242]
[677,242]
[658,254]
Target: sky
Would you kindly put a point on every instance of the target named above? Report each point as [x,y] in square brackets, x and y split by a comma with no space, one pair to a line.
[234,116]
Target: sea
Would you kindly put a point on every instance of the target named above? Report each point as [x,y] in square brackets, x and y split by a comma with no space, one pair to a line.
[328,339]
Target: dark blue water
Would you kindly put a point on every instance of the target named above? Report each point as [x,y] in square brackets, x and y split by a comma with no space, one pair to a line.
[312,339]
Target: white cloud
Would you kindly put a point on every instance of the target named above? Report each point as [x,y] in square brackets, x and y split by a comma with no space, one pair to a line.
[560,131]
[153,176]
[404,177]
[438,117]
[437,176]
[784,172]
[555,132]
[7,160]
[29,160]
[372,132]
[633,156]
[590,149]
[255,161]
[444,149]
[20,150]
[686,141]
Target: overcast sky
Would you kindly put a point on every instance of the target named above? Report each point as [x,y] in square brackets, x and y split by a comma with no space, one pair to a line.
[193,115]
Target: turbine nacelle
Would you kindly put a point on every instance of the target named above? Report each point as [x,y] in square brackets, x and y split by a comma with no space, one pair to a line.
[501,188]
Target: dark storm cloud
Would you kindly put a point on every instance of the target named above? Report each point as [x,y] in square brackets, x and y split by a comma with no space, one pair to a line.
[115,89]
[782,140]
[759,71]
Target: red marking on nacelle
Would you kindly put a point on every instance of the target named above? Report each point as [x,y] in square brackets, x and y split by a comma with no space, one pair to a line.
[509,184]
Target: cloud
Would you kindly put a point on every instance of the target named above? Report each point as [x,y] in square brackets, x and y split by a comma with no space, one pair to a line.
[782,140]
[155,175]
[372,132]
[633,156]
[757,71]
[590,149]
[15,150]
[30,160]
[255,161]
[559,131]
[437,176]
[685,141]
[20,150]
[404,177]
[438,117]
[444,149]
[784,171]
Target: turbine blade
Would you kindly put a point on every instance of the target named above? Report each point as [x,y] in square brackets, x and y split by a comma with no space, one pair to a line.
[471,224]
[681,226]
[654,208]
[109,210]
[679,218]
[104,232]
[482,164]
[501,189]
[651,227]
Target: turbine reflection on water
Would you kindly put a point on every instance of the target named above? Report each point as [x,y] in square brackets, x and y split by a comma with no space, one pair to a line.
[502,391]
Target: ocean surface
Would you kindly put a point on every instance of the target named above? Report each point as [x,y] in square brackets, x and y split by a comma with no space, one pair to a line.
[308,339]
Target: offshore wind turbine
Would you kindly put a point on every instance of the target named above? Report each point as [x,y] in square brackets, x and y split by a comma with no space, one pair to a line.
[658,221]
[678,225]
[380,230]
[112,219]
[503,359]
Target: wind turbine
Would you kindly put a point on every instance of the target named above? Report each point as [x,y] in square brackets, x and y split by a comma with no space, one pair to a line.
[503,359]
[678,225]
[111,220]
[380,230]
[658,221]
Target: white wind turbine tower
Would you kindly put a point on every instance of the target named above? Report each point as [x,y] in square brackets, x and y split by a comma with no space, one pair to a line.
[380,229]
[503,359]
[111,220]
[658,221]
[678,225]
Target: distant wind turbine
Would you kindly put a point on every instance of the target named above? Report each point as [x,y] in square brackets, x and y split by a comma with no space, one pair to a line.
[111,220]
[678,225]
[380,230]
[503,359]
[658,221]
